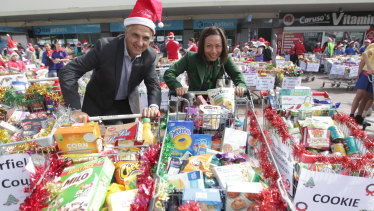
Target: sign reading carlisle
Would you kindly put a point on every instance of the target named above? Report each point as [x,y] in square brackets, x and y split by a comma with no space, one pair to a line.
[327,19]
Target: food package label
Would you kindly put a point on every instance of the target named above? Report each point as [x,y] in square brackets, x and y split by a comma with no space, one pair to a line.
[180,132]
[234,140]
[193,179]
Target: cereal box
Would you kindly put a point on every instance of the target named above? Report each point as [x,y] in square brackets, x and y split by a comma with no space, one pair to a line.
[209,199]
[180,132]
[84,186]
[78,136]
[234,140]
[201,140]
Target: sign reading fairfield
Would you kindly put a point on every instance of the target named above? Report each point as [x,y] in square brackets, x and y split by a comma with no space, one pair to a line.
[327,19]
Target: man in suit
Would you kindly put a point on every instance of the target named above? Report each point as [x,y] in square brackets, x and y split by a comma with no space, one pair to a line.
[119,65]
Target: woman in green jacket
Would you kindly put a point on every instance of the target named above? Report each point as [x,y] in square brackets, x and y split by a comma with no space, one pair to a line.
[206,66]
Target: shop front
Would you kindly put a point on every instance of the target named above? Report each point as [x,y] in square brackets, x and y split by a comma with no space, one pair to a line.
[68,33]
[314,27]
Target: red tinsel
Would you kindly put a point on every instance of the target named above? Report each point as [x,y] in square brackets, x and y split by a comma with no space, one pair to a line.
[190,206]
[270,199]
[145,182]
[38,194]
[353,164]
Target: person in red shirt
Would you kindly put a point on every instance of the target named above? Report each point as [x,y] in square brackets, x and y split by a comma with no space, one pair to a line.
[2,63]
[191,45]
[317,48]
[14,64]
[172,47]
[298,50]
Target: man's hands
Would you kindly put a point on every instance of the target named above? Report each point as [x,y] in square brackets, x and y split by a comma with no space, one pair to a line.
[150,112]
[239,91]
[79,116]
[181,91]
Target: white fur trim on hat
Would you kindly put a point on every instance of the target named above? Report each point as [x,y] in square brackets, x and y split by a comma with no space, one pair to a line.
[260,44]
[13,54]
[142,21]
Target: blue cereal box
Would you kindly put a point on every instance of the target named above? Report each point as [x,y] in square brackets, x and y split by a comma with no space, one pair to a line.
[201,140]
[180,132]
[209,199]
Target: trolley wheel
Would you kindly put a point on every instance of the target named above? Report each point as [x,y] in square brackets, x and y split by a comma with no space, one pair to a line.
[323,84]
[333,84]
[338,85]
[313,78]
[352,88]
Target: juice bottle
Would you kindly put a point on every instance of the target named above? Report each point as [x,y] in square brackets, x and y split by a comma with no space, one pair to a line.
[148,136]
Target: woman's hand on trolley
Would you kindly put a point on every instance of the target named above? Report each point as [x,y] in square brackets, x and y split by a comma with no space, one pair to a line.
[181,91]
[79,116]
[150,112]
[239,91]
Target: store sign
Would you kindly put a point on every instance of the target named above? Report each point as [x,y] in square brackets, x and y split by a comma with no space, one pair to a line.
[12,29]
[222,23]
[327,19]
[328,191]
[168,25]
[289,41]
[67,29]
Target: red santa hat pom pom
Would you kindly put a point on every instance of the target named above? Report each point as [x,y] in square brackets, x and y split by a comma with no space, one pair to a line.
[160,25]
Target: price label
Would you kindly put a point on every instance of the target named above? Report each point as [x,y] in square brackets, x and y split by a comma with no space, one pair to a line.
[265,83]
[250,79]
[353,71]
[302,65]
[280,63]
[312,67]
[337,69]
[291,82]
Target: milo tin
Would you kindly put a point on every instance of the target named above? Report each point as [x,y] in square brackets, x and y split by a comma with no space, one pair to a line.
[339,147]
[351,146]
[336,134]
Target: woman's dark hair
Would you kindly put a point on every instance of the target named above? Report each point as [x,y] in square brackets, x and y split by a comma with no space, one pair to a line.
[213,31]
[192,39]
[56,41]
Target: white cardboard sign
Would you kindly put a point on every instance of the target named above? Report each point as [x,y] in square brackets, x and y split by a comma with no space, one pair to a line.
[302,65]
[353,72]
[337,69]
[14,177]
[291,82]
[6,80]
[283,157]
[250,78]
[312,67]
[326,191]
[265,83]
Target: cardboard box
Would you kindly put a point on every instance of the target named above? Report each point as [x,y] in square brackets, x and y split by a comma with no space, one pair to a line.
[84,186]
[298,91]
[123,133]
[209,199]
[78,136]
[296,102]
[234,140]
[180,132]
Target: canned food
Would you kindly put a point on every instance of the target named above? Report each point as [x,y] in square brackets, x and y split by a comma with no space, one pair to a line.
[351,146]
[339,147]
[336,134]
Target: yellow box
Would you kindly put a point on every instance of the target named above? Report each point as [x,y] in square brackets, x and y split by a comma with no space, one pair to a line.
[78,136]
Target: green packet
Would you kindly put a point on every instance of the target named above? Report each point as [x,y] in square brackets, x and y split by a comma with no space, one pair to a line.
[84,186]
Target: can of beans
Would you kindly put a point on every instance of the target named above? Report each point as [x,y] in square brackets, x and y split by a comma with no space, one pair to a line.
[339,147]
[351,147]
[336,134]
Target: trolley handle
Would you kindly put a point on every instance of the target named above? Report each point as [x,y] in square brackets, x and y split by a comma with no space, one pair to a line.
[174,93]
[115,117]
[324,94]
[43,79]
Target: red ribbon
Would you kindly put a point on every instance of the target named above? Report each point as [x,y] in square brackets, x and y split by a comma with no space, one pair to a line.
[368,192]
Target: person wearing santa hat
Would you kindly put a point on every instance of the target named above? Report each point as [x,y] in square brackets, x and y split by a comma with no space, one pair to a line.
[235,53]
[329,47]
[317,48]
[30,53]
[366,44]
[47,54]
[78,50]
[14,64]
[298,50]
[119,65]
[12,47]
[339,50]
[245,53]
[172,47]
[85,48]
[350,49]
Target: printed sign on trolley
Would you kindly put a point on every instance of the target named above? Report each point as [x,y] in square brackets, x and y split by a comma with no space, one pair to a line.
[250,78]
[337,69]
[291,82]
[302,65]
[353,72]
[283,157]
[327,191]
[312,67]
[265,83]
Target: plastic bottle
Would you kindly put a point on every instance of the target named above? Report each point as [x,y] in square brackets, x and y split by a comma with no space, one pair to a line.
[148,136]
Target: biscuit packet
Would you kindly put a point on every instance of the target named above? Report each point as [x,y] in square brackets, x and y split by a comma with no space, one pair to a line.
[199,162]
[222,96]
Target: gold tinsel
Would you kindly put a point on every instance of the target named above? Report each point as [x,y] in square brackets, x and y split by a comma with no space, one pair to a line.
[4,136]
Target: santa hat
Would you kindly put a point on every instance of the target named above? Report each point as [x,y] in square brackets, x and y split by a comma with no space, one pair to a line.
[259,43]
[367,40]
[13,54]
[145,13]
[235,48]
[253,40]
[246,43]
[318,43]
[267,43]
[171,34]
[345,40]
[351,42]
[85,42]
[331,39]
[11,44]
[246,46]
[261,39]
[237,44]
[30,47]
[79,44]
[340,45]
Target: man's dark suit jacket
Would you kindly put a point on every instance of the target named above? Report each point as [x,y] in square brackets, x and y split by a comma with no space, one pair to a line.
[106,61]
